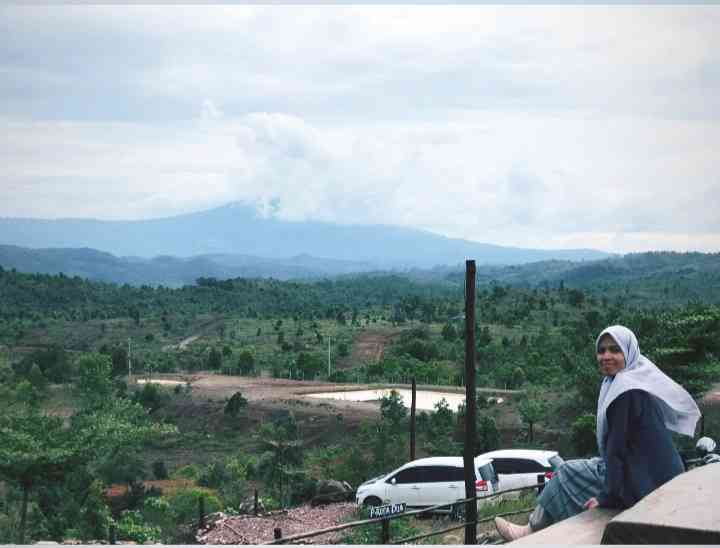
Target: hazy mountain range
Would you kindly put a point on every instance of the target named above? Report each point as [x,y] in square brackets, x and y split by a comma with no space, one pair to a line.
[240,231]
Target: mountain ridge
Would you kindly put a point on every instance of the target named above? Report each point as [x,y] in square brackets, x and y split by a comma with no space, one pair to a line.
[238,228]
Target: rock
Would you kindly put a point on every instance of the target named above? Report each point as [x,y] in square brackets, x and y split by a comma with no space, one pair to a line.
[332,491]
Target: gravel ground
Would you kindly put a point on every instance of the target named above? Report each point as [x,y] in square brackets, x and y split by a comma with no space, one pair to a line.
[260,529]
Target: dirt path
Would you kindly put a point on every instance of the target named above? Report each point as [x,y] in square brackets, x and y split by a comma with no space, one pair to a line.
[368,347]
[182,345]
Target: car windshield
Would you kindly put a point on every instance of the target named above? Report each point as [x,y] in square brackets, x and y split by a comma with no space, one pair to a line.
[487,472]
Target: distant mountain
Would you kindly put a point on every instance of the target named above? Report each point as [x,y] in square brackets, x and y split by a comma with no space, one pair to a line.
[237,229]
[652,268]
[168,271]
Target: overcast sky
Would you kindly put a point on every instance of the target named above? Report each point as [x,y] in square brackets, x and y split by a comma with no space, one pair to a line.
[533,126]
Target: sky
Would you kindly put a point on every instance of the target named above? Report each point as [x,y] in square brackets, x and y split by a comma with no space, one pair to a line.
[534,126]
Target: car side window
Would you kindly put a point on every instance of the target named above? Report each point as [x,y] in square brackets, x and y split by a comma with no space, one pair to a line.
[503,466]
[457,474]
[409,475]
[519,466]
[529,466]
[438,474]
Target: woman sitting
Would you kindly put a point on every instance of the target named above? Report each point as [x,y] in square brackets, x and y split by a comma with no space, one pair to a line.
[638,406]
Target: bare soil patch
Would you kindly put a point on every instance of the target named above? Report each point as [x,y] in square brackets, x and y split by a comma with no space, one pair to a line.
[295,521]
[368,347]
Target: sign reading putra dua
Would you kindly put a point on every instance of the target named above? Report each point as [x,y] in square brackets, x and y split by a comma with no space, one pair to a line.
[387,510]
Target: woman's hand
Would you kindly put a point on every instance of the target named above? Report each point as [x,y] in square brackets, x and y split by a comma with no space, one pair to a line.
[591,503]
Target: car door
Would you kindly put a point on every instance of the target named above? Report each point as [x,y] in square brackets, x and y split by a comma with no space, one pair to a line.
[529,471]
[507,475]
[405,486]
[442,484]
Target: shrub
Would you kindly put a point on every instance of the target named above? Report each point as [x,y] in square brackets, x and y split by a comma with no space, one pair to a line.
[189,471]
[132,527]
[185,504]
[159,470]
[235,404]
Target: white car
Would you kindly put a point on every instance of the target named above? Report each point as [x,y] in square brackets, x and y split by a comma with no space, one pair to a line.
[427,482]
[522,467]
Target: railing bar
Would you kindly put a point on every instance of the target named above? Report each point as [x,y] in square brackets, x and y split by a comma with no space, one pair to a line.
[425,535]
[396,516]
[439,532]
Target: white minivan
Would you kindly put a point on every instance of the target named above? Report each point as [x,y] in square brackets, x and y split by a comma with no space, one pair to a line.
[427,482]
[522,467]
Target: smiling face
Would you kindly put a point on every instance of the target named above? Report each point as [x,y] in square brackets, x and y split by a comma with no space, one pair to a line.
[609,356]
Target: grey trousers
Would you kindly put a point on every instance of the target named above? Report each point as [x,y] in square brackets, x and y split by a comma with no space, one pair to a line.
[539,518]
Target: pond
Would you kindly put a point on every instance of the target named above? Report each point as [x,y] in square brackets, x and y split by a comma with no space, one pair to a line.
[160,381]
[424,399]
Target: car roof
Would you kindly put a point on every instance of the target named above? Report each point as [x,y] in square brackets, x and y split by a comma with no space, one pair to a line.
[445,461]
[531,454]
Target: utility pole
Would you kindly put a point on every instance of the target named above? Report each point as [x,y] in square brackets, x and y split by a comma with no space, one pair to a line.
[470,411]
[129,363]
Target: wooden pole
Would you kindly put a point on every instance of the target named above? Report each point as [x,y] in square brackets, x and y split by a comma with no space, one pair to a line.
[470,412]
[412,422]
[257,500]
[201,511]
[385,531]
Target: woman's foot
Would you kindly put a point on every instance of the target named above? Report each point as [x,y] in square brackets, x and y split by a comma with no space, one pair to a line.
[509,531]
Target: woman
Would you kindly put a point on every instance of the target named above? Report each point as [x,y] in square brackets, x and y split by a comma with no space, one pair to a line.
[637,407]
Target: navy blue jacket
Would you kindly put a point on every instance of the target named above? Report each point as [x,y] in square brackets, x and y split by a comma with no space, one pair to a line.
[640,455]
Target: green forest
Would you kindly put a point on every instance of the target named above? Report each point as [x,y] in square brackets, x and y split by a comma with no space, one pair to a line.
[74,429]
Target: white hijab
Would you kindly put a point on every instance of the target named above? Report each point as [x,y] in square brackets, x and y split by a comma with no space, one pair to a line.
[680,412]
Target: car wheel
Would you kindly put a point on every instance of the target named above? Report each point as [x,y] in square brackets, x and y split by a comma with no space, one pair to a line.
[372,501]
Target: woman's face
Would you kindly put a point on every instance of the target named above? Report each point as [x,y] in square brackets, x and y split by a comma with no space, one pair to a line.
[609,356]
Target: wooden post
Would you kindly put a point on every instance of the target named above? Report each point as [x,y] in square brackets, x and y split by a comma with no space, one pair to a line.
[257,500]
[541,481]
[385,531]
[112,534]
[412,422]
[470,413]
[201,512]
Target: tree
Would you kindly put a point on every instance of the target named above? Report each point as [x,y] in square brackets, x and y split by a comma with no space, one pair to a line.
[235,404]
[282,454]
[94,385]
[246,363]
[532,410]
[36,378]
[214,360]
[448,332]
[309,364]
[393,411]
[39,450]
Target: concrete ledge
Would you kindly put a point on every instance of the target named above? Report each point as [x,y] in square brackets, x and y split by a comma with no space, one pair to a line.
[585,528]
[683,511]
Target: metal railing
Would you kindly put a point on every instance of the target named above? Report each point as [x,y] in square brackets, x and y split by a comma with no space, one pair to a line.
[385,521]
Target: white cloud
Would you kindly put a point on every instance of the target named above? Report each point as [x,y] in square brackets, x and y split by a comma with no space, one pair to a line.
[522,125]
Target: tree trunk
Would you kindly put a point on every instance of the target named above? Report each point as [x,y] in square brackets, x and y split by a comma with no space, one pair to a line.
[23,513]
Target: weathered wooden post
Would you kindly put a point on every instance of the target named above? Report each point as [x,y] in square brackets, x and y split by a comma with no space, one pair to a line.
[470,414]
[257,501]
[201,512]
[385,531]
[412,421]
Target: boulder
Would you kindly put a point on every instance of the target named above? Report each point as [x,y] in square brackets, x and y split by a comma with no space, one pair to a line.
[328,491]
